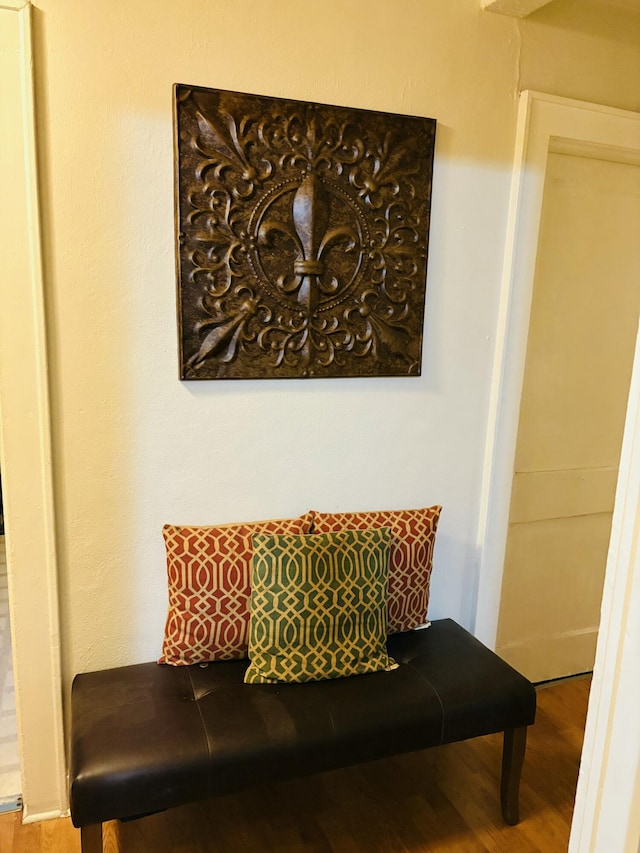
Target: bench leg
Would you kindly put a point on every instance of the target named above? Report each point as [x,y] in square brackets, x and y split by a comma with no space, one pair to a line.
[515,742]
[91,838]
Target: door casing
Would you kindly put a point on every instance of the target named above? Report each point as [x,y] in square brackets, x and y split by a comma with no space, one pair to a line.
[25,433]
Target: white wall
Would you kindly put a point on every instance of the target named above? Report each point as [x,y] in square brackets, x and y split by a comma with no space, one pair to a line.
[584,49]
[133,446]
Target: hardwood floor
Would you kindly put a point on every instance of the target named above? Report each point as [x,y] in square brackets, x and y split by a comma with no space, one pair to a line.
[443,800]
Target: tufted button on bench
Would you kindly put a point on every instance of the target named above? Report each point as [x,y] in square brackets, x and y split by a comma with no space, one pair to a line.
[145,738]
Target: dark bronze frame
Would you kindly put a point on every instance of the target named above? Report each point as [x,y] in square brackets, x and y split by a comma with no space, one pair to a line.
[302,237]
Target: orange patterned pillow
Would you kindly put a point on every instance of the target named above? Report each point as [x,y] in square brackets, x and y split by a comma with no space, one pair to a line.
[413,536]
[209,575]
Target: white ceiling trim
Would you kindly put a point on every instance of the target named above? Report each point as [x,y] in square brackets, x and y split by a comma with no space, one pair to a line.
[515,8]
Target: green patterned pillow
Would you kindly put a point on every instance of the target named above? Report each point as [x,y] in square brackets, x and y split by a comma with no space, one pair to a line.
[318,606]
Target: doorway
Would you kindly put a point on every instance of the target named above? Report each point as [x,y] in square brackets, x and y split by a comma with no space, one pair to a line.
[547,124]
[585,305]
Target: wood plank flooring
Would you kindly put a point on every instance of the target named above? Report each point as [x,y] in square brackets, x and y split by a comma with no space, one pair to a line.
[443,800]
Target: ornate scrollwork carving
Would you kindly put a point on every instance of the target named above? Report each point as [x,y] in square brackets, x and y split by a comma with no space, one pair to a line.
[302,237]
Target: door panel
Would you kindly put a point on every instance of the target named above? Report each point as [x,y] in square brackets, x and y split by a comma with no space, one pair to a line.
[584,319]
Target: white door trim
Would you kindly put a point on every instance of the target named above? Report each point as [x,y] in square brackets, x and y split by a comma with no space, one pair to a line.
[545,123]
[25,442]
[607,811]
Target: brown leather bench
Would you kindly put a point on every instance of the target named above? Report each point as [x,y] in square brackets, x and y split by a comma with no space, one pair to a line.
[145,738]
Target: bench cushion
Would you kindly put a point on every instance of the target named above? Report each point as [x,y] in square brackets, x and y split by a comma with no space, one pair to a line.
[147,737]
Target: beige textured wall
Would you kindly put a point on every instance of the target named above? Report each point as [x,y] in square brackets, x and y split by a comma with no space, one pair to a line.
[583,49]
[134,447]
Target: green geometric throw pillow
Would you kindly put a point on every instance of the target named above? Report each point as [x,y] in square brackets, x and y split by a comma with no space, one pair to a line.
[318,606]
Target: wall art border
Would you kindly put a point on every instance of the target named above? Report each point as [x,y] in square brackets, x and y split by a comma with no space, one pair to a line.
[302,237]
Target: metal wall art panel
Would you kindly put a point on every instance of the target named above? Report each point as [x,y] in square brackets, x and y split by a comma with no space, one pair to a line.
[302,237]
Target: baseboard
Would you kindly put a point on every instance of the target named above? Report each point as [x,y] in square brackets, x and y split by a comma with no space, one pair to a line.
[548,658]
[40,816]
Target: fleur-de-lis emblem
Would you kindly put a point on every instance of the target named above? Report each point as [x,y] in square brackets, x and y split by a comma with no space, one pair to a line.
[303,237]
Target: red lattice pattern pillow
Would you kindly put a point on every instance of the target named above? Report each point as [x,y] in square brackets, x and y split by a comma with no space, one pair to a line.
[413,536]
[209,575]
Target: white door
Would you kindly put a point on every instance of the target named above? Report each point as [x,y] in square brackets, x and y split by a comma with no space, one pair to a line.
[586,301]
